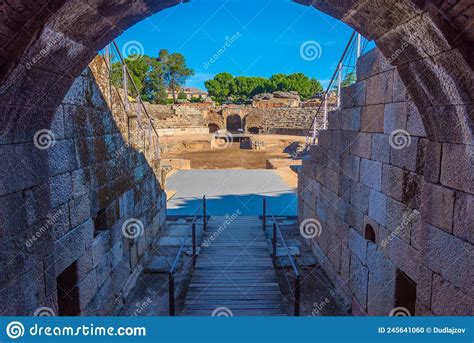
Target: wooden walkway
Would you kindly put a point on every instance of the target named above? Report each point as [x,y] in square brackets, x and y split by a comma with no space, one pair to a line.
[234,273]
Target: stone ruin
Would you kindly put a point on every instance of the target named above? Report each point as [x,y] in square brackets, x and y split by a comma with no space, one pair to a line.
[396,221]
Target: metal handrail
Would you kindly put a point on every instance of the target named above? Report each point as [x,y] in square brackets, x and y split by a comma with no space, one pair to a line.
[328,88]
[171,285]
[296,292]
[135,87]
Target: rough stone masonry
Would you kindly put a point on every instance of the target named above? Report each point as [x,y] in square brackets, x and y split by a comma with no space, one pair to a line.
[395,211]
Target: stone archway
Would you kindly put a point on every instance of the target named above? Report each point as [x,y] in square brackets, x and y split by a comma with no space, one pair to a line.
[435,43]
[46,45]
[213,127]
[233,123]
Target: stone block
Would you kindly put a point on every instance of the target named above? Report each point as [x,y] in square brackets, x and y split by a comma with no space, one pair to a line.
[60,188]
[334,120]
[432,167]
[359,197]
[355,218]
[392,181]
[371,174]
[400,93]
[380,148]
[372,118]
[406,156]
[359,281]
[351,119]
[70,247]
[438,206]
[450,257]
[353,95]
[405,257]
[81,182]
[395,117]
[13,214]
[62,157]
[399,219]
[380,88]
[448,300]
[423,286]
[350,166]
[357,245]
[381,285]
[79,210]
[457,167]
[463,225]
[87,288]
[361,145]
[415,126]
[324,139]
[378,206]
[345,263]
[368,64]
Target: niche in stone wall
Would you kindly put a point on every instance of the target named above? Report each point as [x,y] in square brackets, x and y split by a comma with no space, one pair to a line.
[369,233]
[405,292]
[100,222]
[213,127]
[68,293]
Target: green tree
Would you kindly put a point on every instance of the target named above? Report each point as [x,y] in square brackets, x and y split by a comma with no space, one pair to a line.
[175,70]
[297,82]
[147,74]
[241,89]
[219,88]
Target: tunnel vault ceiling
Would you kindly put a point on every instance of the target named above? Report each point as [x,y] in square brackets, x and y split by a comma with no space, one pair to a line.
[46,44]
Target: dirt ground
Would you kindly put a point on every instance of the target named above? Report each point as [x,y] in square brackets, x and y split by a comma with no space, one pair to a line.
[198,150]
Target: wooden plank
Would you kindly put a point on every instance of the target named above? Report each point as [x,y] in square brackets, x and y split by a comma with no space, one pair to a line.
[234,270]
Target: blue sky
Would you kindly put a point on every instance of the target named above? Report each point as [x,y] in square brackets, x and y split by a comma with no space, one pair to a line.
[264,38]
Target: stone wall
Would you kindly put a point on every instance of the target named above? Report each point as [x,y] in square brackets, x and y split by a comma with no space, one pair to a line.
[394,207]
[284,120]
[72,221]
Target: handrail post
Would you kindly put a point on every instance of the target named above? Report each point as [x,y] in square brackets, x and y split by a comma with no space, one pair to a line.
[297,295]
[171,294]
[274,239]
[194,244]
[264,219]
[204,210]
[339,83]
